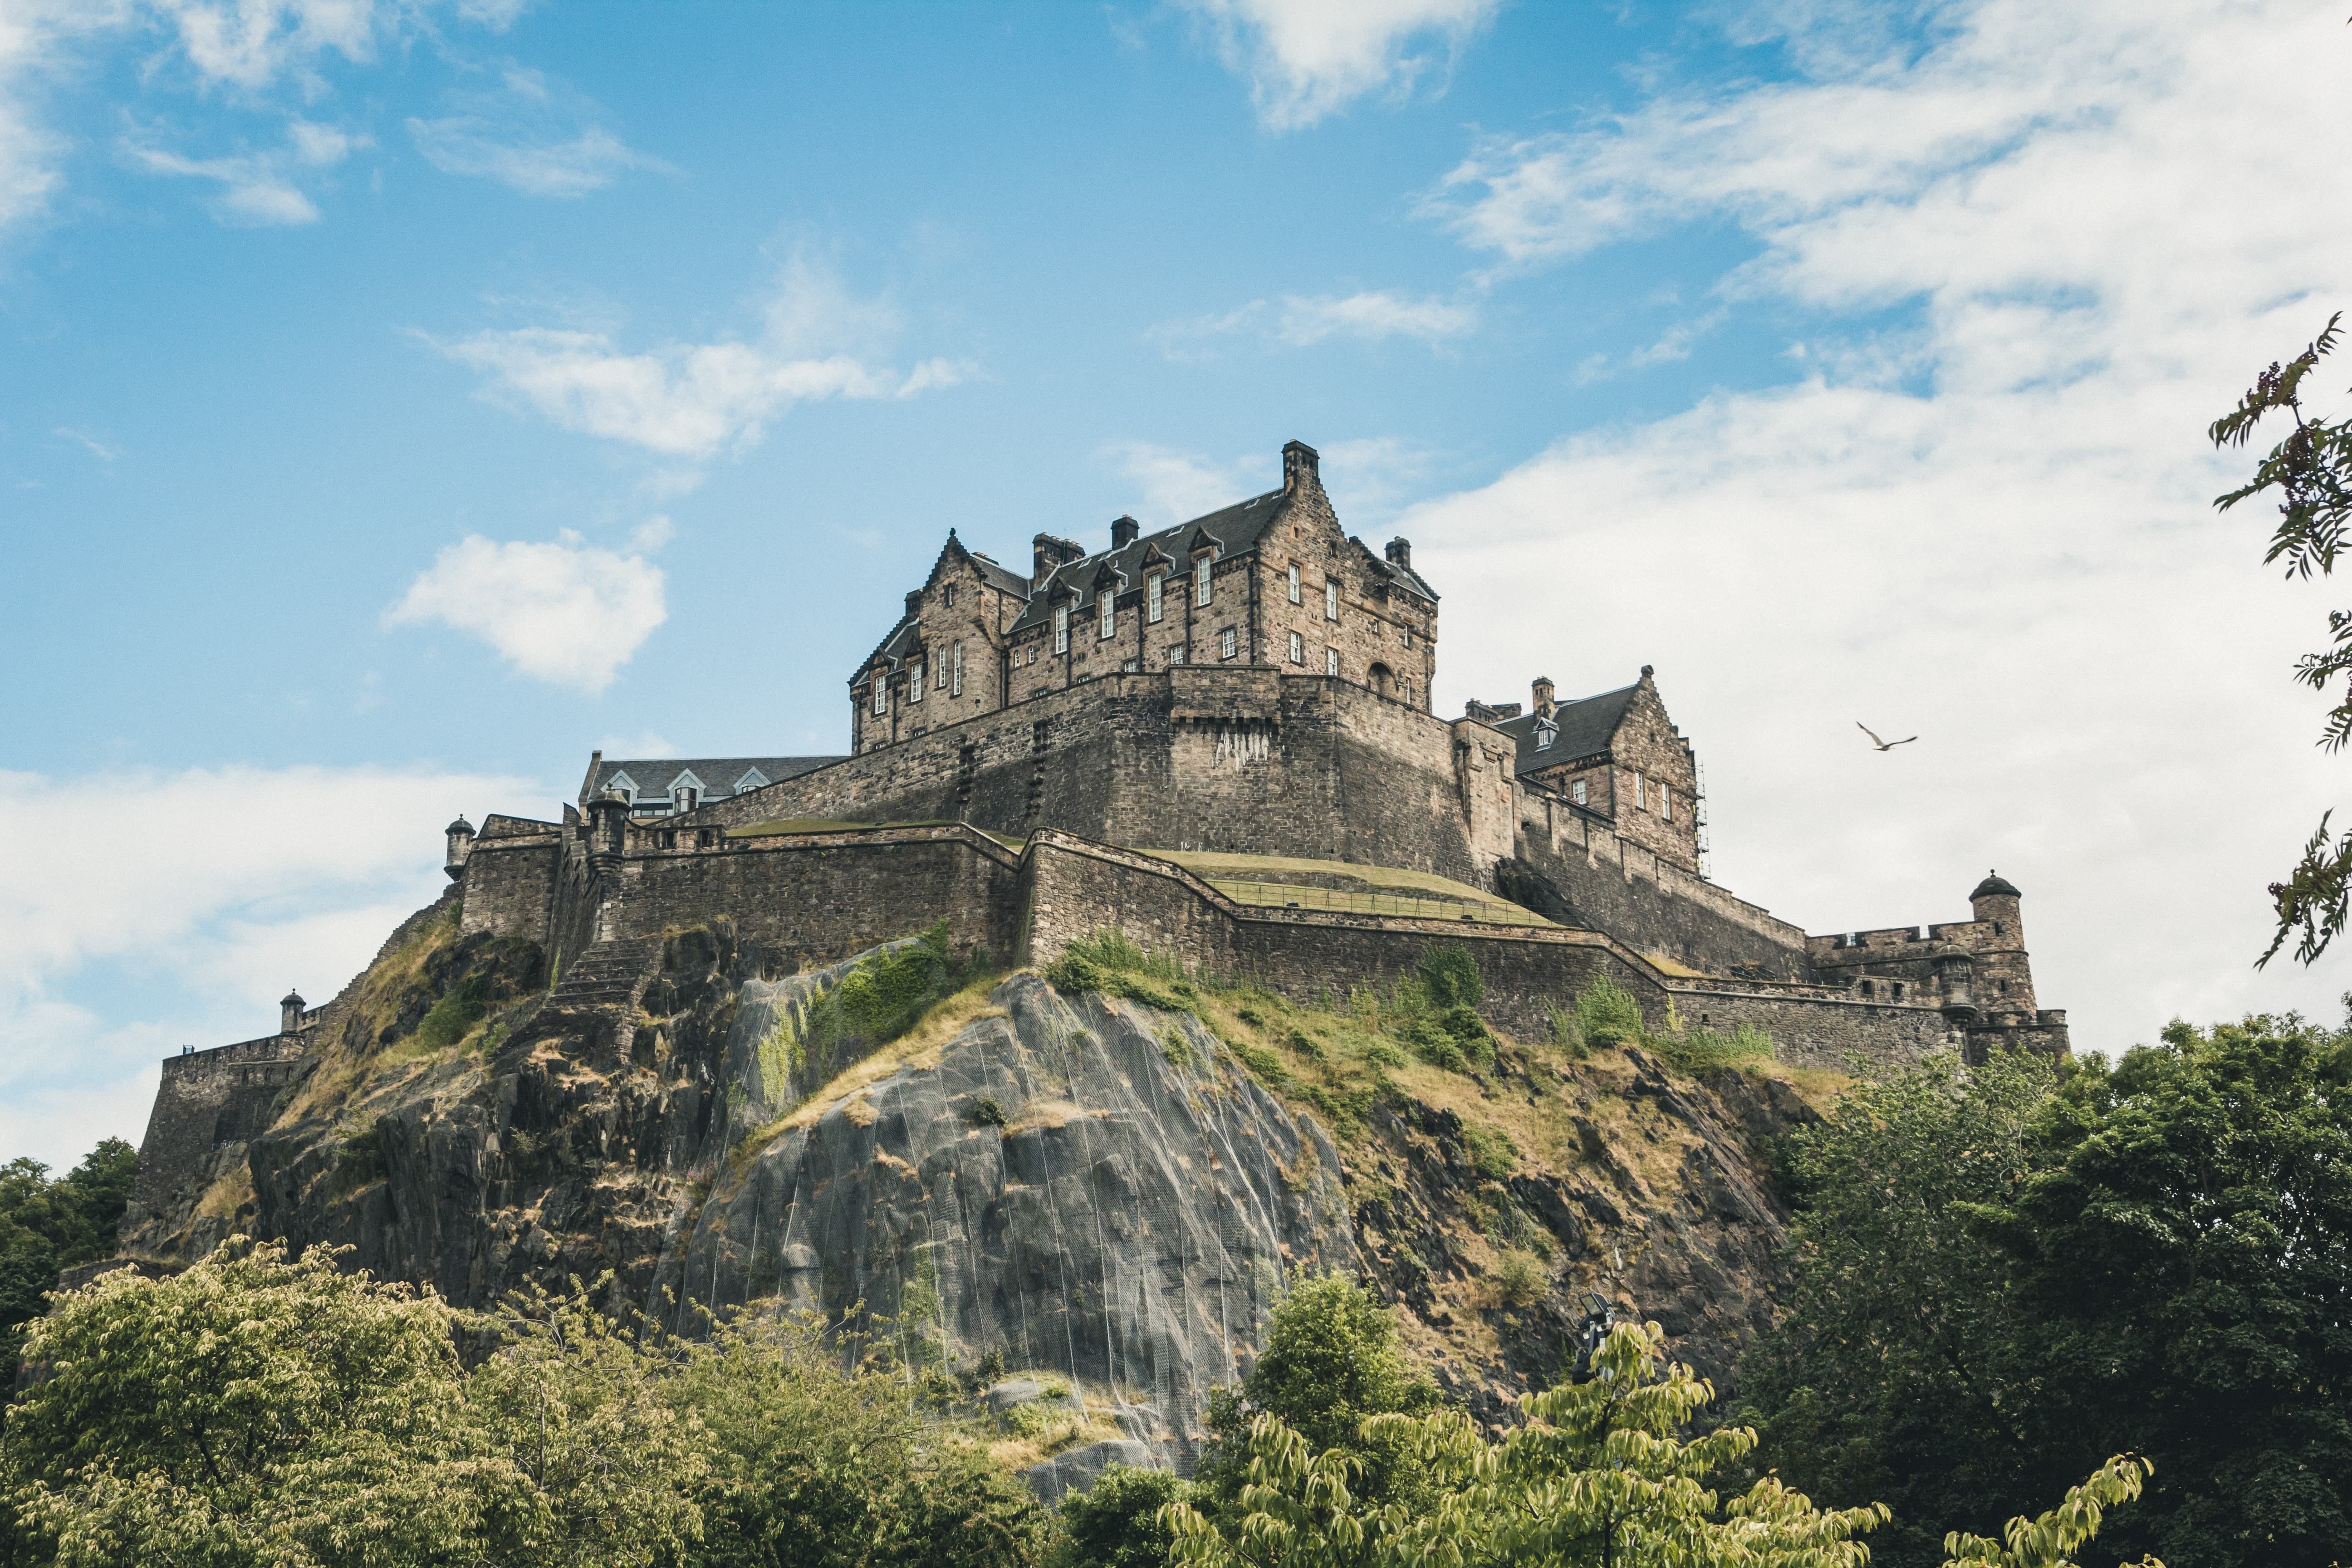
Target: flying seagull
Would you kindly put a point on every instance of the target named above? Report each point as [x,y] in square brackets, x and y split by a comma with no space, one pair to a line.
[1883,745]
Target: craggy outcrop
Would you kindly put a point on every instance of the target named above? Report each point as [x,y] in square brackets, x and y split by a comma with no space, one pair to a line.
[1081,1187]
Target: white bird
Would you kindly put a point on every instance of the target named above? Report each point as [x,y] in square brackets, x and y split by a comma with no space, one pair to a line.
[1883,745]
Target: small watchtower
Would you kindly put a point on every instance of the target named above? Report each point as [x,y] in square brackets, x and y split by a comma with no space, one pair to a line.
[289,1012]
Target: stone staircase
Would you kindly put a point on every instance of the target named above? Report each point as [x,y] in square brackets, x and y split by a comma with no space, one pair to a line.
[606,974]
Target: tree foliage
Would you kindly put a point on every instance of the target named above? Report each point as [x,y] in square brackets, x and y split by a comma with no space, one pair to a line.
[47,1227]
[2001,1276]
[2311,472]
[1330,1361]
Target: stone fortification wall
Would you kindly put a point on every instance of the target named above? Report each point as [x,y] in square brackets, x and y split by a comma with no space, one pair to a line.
[814,899]
[509,883]
[208,1102]
[1573,867]
[1242,760]
[1076,889]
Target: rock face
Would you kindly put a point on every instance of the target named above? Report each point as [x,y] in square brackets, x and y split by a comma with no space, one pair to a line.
[1081,1186]
[1033,1188]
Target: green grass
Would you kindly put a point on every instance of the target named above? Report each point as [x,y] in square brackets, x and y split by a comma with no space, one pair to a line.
[1382,884]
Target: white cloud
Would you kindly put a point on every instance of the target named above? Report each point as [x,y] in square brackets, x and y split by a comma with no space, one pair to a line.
[250,43]
[697,400]
[264,877]
[535,135]
[567,612]
[1991,523]
[258,188]
[1179,486]
[1301,320]
[1372,315]
[1308,58]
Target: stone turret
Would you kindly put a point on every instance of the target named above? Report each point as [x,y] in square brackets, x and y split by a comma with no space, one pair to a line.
[608,824]
[2004,975]
[461,844]
[289,1012]
[1542,692]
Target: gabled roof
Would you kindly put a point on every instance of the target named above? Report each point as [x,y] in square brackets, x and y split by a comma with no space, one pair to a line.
[1235,529]
[1405,577]
[996,576]
[654,775]
[1584,727]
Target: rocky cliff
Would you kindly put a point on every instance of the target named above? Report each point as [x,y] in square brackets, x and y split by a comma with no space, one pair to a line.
[985,1176]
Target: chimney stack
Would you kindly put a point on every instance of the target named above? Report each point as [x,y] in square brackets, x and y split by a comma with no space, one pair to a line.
[914,601]
[1399,553]
[1543,697]
[1298,461]
[1053,550]
[1123,530]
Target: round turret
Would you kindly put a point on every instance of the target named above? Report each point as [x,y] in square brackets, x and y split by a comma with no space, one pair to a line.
[289,1012]
[1995,885]
[461,844]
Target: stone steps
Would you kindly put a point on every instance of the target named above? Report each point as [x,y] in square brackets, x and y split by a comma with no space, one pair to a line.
[607,975]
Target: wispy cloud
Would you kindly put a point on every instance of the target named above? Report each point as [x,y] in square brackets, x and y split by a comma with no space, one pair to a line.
[1301,320]
[1305,60]
[534,135]
[1978,516]
[1177,484]
[697,400]
[263,187]
[567,612]
[96,447]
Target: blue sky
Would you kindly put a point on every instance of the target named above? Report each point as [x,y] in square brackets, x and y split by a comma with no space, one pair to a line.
[397,400]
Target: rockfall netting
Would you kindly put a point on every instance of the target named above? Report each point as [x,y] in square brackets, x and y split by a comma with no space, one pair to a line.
[1087,1187]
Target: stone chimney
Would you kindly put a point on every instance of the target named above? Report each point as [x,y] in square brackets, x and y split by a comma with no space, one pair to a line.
[1299,461]
[1399,553]
[461,844]
[1053,550]
[289,1012]
[1123,530]
[914,603]
[1542,692]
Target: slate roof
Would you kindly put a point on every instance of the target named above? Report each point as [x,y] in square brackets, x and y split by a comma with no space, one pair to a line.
[1585,726]
[718,774]
[1235,528]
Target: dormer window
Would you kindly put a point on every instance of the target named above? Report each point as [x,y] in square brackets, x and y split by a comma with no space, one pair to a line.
[752,780]
[1061,629]
[624,787]
[1294,583]
[1331,600]
[1152,586]
[1546,734]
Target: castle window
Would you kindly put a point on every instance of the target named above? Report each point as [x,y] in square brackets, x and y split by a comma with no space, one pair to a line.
[1331,600]
[915,681]
[881,693]
[1408,636]
[1298,645]
[955,671]
[1866,988]
[684,798]
[1641,792]
[1665,803]
[1228,641]
[1898,991]
[1153,588]
[947,596]
[1545,735]
[1330,661]
[1061,629]
[1405,690]
[1200,580]
[1576,792]
[1131,667]
[1109,613]
[1176,654]
[1294,585]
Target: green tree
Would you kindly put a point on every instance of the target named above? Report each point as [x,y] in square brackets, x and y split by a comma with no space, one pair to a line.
[1330,1361]
[2311,473]
[251,1410]
[815,1466]
[1601,1473]
[1117,1522]
[48,1227]
[2183,1256]
[1893,1373]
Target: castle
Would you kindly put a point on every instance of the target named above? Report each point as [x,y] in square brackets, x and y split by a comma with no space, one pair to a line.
[1218,738]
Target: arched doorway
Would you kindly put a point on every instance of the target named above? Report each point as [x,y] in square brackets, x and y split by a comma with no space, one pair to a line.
[1383,680]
